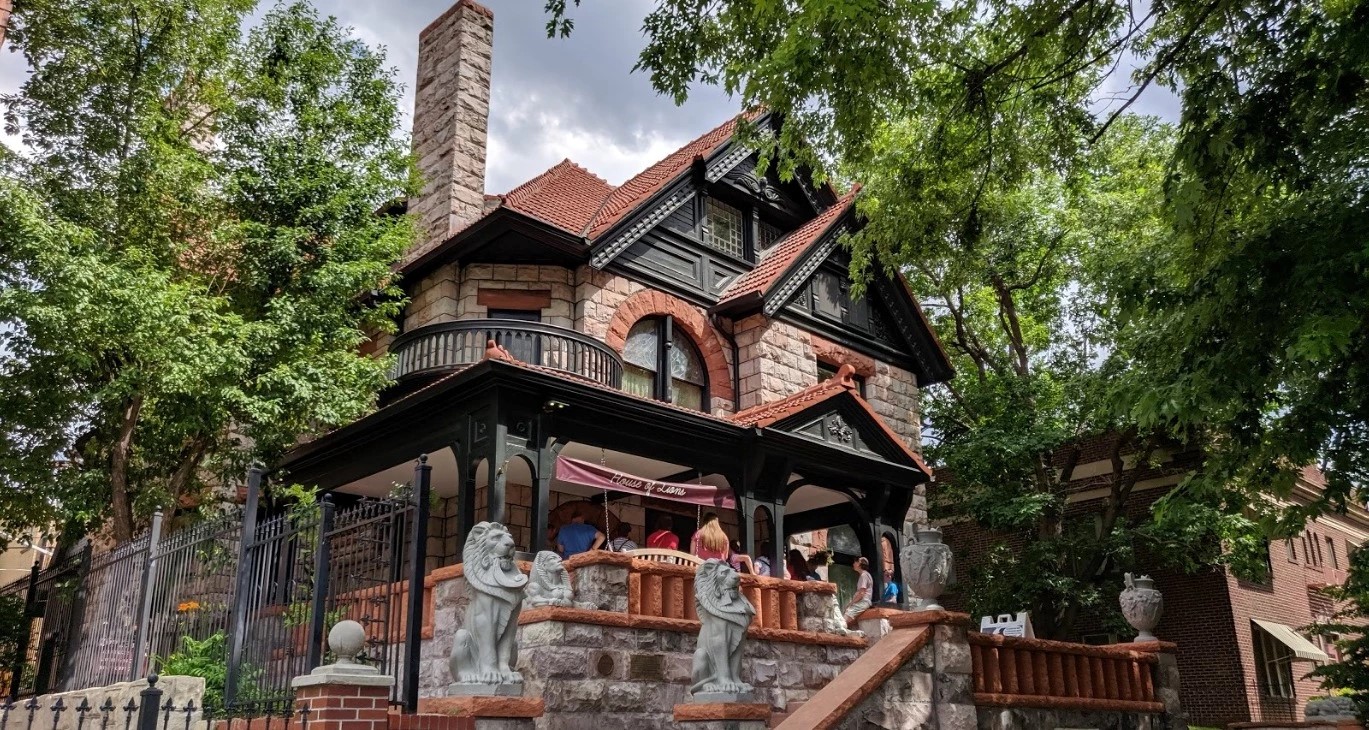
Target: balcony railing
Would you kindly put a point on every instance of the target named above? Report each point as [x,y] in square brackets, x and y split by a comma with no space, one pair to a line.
[452,345]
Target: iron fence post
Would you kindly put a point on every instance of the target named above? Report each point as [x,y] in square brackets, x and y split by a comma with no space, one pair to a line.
[151,703]
[237,621]
[145,600]
[21,656]
[72,638]
[418,555]
[322,555]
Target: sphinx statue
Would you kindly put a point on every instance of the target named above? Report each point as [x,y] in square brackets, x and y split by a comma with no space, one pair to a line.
[485,649]
[549,584]
[724,614]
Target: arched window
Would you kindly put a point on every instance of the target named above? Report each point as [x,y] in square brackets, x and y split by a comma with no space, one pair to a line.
[660,361]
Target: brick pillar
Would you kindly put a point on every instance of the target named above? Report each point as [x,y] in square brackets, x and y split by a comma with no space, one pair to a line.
[5,6]
[451,119]
[344,702]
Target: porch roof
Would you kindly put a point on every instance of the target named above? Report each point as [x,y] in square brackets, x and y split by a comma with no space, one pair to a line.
[585,411]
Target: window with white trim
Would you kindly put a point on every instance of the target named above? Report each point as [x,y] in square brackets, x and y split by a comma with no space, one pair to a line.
[723,229]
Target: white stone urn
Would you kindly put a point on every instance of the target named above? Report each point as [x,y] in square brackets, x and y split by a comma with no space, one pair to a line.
[927,567]
[1142,605]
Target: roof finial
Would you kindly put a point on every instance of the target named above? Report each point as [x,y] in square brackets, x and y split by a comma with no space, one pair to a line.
[494,352]
[846,376]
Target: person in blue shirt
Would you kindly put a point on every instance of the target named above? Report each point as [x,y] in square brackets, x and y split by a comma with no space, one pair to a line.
[577,537]
[890,587]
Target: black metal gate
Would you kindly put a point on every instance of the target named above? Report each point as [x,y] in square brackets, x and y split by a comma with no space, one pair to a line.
[367,578]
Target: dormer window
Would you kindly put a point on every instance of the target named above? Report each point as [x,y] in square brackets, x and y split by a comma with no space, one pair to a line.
[766,236]
[723,229]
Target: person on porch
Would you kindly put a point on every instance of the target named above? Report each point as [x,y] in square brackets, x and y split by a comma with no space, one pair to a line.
[577,537]
[763,562]
[865,586]
[710,542]
[890,587]
[663,538]
[622,542]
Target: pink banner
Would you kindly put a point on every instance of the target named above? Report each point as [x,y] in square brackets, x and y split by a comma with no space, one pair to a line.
[601,477]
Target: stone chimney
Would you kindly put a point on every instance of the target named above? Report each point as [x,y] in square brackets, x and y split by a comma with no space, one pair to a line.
[5,7]
[451,115]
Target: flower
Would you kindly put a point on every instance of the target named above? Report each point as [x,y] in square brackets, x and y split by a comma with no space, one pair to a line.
[187,606]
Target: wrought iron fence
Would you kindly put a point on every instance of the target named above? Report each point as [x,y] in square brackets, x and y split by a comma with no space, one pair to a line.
[260,594]
[150,710]
[366,570]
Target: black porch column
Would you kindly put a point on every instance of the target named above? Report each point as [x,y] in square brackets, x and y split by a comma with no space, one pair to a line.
[497,451]
[547,452]
[778,540]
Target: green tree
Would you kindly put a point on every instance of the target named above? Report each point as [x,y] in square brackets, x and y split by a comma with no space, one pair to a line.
[1241,328]
[1347,630]
[191,250]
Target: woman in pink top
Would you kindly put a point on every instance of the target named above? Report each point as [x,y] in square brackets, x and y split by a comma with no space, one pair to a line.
[710,542]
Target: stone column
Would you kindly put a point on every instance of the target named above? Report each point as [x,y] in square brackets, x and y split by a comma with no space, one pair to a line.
[345,695]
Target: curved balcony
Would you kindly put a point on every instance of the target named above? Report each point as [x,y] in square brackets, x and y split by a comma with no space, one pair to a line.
[452,345]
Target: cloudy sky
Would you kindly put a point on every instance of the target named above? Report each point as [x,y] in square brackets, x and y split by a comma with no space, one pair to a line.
[559,98]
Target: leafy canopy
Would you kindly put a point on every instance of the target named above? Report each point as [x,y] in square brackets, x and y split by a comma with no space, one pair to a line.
[192,255]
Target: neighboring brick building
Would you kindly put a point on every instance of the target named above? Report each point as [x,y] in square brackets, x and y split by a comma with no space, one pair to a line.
[1233,669]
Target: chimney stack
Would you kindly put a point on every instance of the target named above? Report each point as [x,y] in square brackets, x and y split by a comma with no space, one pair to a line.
[5,7]
[451,118]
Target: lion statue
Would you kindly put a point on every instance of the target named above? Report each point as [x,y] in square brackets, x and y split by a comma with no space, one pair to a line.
[485,650]
[724,614]
[549,584]
[835,621]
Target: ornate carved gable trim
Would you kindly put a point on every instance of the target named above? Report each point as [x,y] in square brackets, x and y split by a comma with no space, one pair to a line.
[841,422]
[605,253]
[725,162]
[794,279]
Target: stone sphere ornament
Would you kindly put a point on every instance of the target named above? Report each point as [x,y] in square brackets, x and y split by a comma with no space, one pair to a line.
[1142,605]
[346,640]
[927,567]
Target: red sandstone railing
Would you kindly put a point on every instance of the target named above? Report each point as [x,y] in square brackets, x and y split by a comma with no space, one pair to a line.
[667,590]
[1017,672]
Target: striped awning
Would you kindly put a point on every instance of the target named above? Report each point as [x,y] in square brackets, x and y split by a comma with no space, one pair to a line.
[1302,648]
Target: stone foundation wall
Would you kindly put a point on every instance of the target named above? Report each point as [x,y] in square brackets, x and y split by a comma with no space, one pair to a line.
[179,691]
[1025,718]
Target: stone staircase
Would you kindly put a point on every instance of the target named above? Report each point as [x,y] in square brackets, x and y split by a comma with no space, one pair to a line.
[859,683]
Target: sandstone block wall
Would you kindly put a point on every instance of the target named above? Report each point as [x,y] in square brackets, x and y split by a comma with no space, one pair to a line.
[451,117]
[179,691]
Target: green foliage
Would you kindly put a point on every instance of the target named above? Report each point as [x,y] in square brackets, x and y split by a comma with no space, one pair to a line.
[192,250]
[1204,286]
[13,629]
[207,658]
[1349,676]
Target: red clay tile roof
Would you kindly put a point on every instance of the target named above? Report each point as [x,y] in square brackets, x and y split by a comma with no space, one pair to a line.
[648,182]
[566,196]
[785,253]
[844,381]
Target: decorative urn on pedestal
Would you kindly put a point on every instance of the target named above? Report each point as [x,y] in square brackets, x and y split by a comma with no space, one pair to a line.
[1142,605]
[927,567]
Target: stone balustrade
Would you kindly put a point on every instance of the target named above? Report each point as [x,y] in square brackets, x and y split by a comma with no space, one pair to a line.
[1017,672]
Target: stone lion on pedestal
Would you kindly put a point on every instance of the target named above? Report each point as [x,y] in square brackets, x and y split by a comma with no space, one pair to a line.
[724,614]
[549,584]
[485,650]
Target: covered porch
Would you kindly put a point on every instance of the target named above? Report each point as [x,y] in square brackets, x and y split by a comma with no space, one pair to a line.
[493,433]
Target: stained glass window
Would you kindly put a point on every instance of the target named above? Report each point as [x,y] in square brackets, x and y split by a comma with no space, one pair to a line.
[643,354]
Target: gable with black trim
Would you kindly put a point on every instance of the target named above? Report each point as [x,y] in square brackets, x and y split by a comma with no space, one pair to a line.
[844,421]
[676,239]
